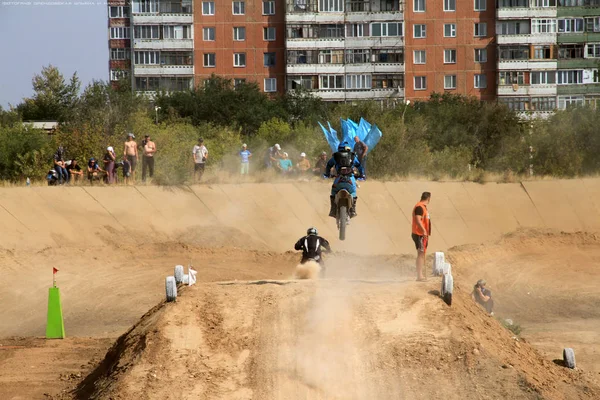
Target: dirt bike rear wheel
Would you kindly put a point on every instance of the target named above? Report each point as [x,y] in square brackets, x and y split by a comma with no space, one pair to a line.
[343,220]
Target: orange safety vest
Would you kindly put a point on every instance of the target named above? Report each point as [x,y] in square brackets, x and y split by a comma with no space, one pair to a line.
[416,229]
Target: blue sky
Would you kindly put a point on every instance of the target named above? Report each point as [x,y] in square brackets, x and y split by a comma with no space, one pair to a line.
[74,38]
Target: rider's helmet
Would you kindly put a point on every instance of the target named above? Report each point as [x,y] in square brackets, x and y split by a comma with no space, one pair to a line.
[311,231]
[342,146]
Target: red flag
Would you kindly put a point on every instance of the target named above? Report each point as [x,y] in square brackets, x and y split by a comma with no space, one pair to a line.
[54,270]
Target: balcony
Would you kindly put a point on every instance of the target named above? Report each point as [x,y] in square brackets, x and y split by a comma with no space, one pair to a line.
[164,44]
[315,43]
[374,41]
[351,94]
[517,65]
[315,69]
[353,11]
[163,70]
[525,12]
[536,38]
[587,88]
[527,90]
[159,19]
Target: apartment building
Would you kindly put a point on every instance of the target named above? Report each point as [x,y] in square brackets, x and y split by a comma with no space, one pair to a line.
[119,39]
[346,50]
[450,48]
[548,54]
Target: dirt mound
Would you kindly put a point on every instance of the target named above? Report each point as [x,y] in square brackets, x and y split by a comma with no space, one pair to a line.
[326,339]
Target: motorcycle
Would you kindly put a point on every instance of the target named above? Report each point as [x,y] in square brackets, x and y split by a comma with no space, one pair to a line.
[343,202]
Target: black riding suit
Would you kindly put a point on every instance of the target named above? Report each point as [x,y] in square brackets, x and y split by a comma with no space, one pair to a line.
[311,247]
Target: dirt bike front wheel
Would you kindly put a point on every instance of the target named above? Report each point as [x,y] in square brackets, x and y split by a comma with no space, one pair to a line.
[342,221]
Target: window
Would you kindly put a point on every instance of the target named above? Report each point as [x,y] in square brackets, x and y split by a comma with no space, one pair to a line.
[569,77]
[270,84]
[330,31]
[120,32]
[177,32]
[208,34]
[358,56]
[389,5]
[239,59]
[593,50]
[116,74]
[301,57]
[543,26]
[208,8]
[543,77]
[543,3]
[449,30]
[542,52]
[331,57]
[449,5]
[420,83]
[569,101]
[379,29]
[450,82]
[329,5]
[119,54]
[513,3]
[145,6]
[357,30]
[269,59]
[480,81]
[332,81]
[268,7]
[388,55]
[450,56]
[387,81]
[419,57]
[146,58]
[237,82]
[570,25]
[358,81]
[419,6]
[147,32]
[569,51]
[543,103]
[480,55]
[480,5]
[511,78]
[515,103]
[513,52]
[239,33]
[176,58]
[269,34]
[147,83]
[118,12]
[209,59]
[592,24]
[419,31]
[239,8]
[480,29]
[513,28]
[309,82]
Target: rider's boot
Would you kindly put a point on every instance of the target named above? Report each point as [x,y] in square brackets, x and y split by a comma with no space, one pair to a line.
[332,206]
[353,209]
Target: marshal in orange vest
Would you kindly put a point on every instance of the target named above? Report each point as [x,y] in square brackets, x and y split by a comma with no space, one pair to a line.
[416,229]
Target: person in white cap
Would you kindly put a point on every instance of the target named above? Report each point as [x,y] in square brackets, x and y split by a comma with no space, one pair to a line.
[109,165]
[285,164]
[273,155]
[245,154]
[303,165]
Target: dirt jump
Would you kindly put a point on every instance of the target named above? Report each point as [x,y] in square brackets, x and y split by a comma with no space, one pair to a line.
[257,327]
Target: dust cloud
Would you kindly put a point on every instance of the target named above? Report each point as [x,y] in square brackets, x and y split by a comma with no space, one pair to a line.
[308,270]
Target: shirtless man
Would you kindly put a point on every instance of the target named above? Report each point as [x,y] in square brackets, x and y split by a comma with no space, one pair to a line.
[131,153]
[148,157]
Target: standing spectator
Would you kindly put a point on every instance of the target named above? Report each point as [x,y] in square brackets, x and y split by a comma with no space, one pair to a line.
[59,166]
[131,152]
[321,164]
[285,164]
[200,153]
[361,150]
[127,171]
[245,154]
[273,156]
[74,170]
[303,165]
[148,157]
[109,165]
[483,296]
[421,230]
[94,170]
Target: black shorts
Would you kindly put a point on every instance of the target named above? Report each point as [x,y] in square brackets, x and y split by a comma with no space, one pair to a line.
[420,243]
[132,162]
[199,166]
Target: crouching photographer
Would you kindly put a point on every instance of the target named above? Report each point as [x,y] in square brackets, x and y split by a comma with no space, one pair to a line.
[483,296]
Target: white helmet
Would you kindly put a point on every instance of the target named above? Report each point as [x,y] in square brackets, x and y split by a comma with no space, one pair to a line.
[312,231]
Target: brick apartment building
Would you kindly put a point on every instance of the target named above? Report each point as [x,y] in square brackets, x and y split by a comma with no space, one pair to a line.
[534,55]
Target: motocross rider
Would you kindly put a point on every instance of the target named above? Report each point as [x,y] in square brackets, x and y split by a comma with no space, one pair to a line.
[311,246]
[343,158]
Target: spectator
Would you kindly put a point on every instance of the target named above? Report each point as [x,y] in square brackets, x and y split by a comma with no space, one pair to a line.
[321,164]
[52,177]
[303,165]
[483,296]
[74,170]
[109,164]
[148,157]
[59,166]
[361,150]
[285,164]
[94,171]
[245,154]
[273,156]
[127,170]
[131,152]
[200,153]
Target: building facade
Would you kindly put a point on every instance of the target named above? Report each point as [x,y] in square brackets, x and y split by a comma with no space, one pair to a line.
[119,39]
